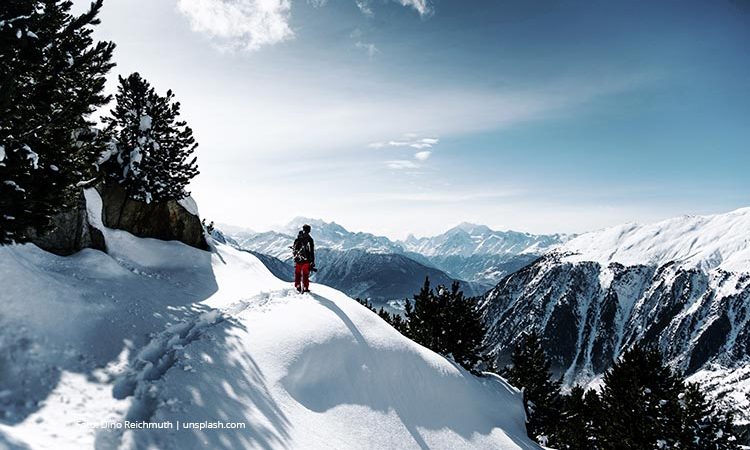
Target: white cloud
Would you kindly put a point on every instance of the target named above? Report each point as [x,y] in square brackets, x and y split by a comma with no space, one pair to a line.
[240,24]
[423,7]
[364,6]
[419,157]
[423,155]
[409,140]
[252,24]
[401,164]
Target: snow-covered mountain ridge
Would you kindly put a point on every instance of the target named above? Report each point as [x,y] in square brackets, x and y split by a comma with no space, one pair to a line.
[162,332]
[705,242]
[469,239]
[682,285]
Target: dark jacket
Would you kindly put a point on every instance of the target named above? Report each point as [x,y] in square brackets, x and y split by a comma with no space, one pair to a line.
[304,249]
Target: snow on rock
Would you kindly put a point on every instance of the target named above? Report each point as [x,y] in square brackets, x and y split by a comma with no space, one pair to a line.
[162,332]
[727,386]
[31,156]
[189,204]
[706,242]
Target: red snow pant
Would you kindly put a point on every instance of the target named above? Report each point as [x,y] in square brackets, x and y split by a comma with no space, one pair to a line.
[302,276]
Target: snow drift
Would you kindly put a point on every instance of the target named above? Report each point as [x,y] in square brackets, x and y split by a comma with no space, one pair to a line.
[162,332]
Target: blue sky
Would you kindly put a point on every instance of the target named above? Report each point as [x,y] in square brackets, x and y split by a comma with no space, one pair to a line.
[410,116]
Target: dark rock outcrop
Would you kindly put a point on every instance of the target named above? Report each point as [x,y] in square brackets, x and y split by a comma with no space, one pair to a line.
[163,220]
[70,232]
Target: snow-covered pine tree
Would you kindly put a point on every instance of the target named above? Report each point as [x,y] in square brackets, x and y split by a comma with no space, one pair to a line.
[530,371]
[704,425]
[464,329]
[151,152]
[641,405]
[576,427]
[422,318]
[445,322]
[52,77]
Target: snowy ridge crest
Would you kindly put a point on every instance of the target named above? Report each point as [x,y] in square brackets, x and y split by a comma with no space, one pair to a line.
[704,242]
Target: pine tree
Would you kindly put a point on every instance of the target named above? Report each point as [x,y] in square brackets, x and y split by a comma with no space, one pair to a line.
[52,77]
[385,315]
[447,323]
[576,426]
[464,329]
[641,403]
[398,323]
[704,426]
[422,318]
[530,371]
[151,152]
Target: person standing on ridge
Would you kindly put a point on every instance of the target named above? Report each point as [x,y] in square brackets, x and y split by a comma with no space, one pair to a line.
[304,259]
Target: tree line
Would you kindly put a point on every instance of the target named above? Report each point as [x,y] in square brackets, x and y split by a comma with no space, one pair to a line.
[52,82]
[642,404]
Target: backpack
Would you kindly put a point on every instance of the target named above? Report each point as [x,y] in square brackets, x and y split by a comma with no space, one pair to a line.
[302,249]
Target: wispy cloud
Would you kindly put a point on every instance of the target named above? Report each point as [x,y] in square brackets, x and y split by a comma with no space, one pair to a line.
[253,24]
[401,164]
[240,24]
[423,155]
[364,6]
[360,43]
[423,7]
[409,140]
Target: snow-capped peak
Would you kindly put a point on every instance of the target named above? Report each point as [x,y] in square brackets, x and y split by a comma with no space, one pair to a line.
[472,228]
[707,242]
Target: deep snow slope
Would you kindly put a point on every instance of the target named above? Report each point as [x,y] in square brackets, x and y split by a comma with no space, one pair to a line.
[161,332]
[682,284]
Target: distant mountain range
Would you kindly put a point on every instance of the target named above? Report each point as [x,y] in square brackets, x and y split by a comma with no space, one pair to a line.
[380,277]
[469,252]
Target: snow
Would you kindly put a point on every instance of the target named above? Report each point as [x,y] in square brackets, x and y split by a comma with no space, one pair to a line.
[189,204]
[31,156]
[145,123]
[728,386]
[706,242]
[2,153]
[160,331]
[110,151]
